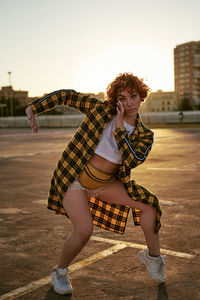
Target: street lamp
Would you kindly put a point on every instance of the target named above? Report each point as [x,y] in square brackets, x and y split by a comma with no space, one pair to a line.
[11,99]
[9,78]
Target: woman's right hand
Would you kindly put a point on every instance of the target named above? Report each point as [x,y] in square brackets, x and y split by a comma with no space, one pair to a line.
[120,114]
[32,119]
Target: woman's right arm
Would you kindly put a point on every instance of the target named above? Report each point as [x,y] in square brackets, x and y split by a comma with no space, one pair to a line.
[71,98]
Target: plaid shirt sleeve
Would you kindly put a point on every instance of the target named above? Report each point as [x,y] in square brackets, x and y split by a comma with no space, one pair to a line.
[134,151]
[71,98]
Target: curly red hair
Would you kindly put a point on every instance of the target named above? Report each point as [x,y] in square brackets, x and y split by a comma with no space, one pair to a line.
[126,81]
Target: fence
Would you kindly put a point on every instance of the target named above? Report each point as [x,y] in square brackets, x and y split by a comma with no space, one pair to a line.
[175,117]
[56,121]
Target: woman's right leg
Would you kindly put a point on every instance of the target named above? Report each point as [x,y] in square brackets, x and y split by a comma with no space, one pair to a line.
[76,205]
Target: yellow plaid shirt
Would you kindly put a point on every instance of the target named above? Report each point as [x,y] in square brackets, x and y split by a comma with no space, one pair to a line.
[134,150]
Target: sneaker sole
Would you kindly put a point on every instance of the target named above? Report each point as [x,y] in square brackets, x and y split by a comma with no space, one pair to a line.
[61,292]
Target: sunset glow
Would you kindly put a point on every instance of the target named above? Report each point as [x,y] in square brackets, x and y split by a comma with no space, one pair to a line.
[149,63]
[83,45]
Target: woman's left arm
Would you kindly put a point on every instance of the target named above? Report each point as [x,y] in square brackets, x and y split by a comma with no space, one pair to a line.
[134,152]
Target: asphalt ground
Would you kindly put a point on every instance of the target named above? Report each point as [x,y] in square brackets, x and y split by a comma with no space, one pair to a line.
[31,235]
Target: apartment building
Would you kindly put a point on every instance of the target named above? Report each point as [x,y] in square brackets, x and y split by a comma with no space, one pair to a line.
[160,101]
[8,92]
[187,73]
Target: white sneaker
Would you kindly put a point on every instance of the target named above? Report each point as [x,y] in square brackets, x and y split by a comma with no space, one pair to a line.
[60,281]
[154,265]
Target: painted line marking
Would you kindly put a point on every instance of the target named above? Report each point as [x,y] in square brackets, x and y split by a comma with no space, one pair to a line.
[139,246]
[118,245]
[26,288]
[171,169]
[87,261]
[28,154]
[167,202]
[76,266]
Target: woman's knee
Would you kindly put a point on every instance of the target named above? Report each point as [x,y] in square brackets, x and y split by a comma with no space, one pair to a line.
[148,219]
[151,210]
[84,233]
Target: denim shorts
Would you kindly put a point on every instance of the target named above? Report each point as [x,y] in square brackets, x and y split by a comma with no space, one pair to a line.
[76,185]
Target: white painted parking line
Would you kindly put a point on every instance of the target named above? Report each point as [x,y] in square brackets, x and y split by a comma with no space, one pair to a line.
[118,245]
[96,257]
[26,288]
[180,169]
[28,154]
[76,266]
[139,246]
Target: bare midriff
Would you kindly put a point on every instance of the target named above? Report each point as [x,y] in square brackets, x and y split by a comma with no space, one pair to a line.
[103,164]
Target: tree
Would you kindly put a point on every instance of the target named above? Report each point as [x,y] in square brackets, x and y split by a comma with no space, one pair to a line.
[185,104]
[12,104]
[9,104]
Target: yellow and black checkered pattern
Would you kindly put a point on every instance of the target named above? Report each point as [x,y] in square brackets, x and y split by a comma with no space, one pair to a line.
[134,150]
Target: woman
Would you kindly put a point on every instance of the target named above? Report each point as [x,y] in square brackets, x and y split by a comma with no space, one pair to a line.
[91,183]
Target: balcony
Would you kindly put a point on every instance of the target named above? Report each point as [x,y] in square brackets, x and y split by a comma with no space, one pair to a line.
[196,62]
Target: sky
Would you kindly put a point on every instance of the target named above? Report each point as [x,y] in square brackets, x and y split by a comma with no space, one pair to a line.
[49,45]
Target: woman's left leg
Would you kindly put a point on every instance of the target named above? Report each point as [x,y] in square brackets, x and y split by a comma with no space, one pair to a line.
[116,193]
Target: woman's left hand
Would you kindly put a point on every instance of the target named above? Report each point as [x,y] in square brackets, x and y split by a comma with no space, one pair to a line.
[120,114]
[32,119]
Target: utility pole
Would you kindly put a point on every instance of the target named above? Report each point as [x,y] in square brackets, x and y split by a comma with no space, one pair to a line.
[9,78]
[11,98]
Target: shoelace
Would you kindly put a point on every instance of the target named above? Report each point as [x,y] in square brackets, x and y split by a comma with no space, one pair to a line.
[162,262]
[62,280]
[162,258]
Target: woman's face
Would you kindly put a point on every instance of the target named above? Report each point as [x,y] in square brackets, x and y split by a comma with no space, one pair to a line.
[130,101]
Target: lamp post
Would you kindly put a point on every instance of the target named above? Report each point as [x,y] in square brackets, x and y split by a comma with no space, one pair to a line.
[11,99]
[9,78]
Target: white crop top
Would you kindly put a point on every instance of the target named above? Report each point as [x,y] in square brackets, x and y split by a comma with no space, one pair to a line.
[107,146]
